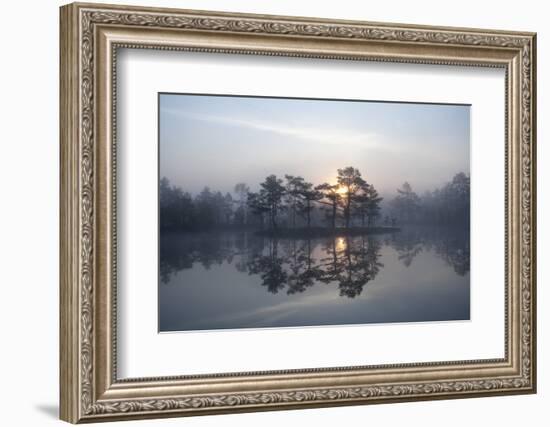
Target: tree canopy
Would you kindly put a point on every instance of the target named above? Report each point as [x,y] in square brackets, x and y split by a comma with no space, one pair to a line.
[293,202]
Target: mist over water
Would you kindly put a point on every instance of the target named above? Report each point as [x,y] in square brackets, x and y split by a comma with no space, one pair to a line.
[229,280]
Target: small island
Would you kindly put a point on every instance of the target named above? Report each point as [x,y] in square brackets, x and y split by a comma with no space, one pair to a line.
[289,208]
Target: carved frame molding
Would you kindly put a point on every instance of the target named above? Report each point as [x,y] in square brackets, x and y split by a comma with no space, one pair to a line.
[90,37]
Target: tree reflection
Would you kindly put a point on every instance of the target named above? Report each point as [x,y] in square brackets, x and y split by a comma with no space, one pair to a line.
[181,251]
[350,263]
[407,245]
[456,252]
[303,271]
[450,244]
[270,268]
[295,265]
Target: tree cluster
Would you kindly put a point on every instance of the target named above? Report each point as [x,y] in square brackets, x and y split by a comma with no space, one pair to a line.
[290,202]
[180,210]
[351,197]
[448,205]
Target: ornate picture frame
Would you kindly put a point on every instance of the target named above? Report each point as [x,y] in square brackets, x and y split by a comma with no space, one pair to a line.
[90,37]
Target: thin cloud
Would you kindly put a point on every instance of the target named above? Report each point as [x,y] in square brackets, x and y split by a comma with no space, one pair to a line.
[310,134]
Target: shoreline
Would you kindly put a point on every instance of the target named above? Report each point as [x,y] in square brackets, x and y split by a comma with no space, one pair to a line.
[325,232]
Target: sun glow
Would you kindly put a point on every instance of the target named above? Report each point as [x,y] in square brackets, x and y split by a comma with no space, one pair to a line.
[342,190]
[341,244]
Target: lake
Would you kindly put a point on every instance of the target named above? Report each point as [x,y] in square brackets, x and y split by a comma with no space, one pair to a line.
[238,279]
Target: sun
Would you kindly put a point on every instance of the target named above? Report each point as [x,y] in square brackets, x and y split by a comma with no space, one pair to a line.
[342,190]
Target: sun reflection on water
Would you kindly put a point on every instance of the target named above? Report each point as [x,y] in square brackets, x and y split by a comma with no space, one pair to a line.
[341,244]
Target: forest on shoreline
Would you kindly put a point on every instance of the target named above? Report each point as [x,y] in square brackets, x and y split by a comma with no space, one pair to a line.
[294,206]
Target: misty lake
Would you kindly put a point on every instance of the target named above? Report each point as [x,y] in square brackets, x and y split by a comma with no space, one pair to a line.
[235,279]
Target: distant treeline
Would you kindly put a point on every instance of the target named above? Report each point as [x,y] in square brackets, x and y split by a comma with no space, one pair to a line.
[293,202]
[449,204]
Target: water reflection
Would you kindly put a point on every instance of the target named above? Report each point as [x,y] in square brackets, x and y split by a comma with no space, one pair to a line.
[450,244]
[229,280]
[294,265]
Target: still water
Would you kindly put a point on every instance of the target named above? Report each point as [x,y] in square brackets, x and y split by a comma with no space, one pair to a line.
[228,280]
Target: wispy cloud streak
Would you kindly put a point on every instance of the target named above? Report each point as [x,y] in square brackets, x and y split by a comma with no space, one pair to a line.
[322,135]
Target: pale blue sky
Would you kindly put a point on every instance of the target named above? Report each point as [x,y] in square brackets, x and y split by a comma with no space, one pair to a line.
[218,141]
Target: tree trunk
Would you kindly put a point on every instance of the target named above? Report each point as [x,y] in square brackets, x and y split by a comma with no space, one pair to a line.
[347,210]
[308,255]
[273,214]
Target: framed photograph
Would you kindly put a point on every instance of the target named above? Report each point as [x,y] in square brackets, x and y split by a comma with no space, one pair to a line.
[266,212]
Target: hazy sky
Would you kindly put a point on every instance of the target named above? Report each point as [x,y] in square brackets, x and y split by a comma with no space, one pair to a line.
[218,141]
